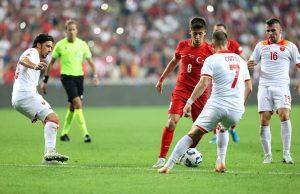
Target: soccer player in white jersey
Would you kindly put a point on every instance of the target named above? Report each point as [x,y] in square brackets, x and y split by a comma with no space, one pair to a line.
[275,56]
[26,99]
[231,87]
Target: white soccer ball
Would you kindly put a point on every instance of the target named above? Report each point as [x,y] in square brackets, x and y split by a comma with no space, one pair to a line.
[192,158]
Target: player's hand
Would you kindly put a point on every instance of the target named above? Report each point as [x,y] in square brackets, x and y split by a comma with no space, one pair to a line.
[44,87]
[251,64]
[187,110]
[96,81]
[41,66]
[158,86]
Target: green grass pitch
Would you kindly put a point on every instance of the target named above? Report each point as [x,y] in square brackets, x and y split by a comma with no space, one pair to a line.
[125,144]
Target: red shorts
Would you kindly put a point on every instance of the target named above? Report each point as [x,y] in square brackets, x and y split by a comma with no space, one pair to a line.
[178,102]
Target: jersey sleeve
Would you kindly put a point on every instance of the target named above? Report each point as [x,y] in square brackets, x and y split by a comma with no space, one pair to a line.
[32,55]
[295,56]
[246,72]
[255,56]
[207,69]
[56,51]
[87,52]
[177,51]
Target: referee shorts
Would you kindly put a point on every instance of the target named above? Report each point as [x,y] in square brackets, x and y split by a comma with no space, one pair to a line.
[73,86]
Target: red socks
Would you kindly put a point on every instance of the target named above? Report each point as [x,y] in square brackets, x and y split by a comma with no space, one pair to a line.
[165,142]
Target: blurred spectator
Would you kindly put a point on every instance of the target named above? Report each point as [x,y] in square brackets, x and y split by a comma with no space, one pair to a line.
[133,38]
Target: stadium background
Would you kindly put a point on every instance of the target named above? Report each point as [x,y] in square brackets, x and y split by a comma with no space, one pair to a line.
[132,41]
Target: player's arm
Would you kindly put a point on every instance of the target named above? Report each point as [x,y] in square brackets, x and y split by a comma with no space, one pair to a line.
[46,75]
[254,58]
[248,89]
[170,68]
[25,61]
[93,69]
[203,83]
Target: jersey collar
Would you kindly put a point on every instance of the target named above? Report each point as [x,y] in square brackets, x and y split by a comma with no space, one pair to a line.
[281,42]
[224,51]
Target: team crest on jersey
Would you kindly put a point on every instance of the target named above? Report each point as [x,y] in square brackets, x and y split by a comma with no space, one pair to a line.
[282,48]
[43,102]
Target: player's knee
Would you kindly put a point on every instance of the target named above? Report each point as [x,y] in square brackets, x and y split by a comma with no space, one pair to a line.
[53,118]
[77,104]
[284,116]
[196,134]
[265,118]
[172,123]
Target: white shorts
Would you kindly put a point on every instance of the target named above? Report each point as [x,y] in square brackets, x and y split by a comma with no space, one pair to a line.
[273,97]
[33,107]
[212,115]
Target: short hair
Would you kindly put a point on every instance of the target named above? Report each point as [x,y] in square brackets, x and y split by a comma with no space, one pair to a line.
[197,23]
[272,21]
[220,38]
[41,38]
[70,22]
[221,25]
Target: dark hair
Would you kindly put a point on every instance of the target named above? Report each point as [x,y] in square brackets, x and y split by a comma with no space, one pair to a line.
[221,25]
[272,21]
[197,23]
[41,38]
[70,22]
[220,38]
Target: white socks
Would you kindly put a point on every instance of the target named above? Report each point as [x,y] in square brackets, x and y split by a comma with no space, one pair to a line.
[50,131]
[181,147]
[265,137]
[222,144]
[286,134]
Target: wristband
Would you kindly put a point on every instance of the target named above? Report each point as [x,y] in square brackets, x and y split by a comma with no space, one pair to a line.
[190,101]
[45,79]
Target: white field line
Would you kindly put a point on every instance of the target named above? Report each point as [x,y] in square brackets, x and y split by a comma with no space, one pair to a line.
[194,170]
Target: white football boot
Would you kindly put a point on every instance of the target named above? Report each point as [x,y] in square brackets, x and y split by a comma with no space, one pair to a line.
[268,159]
[160,163]
[52,156]
[287,159]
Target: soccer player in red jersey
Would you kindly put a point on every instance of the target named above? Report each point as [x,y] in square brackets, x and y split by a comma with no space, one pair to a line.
[236,48]
[192,53]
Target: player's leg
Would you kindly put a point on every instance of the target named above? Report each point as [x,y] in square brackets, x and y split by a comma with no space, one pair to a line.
[79,117]
[234,134]
[227,121]
[67,124]
[71,90]
[213,140]
[166,139]
[78,112]
[265,135]
[222,144]
[206,121]
[286,134]
[282,101]
[265,109]
[50,131]
[182,146]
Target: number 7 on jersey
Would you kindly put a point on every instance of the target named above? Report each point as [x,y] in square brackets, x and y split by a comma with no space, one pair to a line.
[235,67]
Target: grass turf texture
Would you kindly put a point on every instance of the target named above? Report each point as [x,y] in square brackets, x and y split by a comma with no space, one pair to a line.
[125,144]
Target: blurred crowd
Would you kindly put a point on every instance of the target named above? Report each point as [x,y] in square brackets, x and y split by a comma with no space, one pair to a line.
[135,39]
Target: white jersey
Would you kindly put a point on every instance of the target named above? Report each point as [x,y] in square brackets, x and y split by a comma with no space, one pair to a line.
[275,61]
[229,73]
[26,79]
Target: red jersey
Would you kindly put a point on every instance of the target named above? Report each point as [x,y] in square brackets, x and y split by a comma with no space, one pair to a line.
[234,46]
[192,59]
